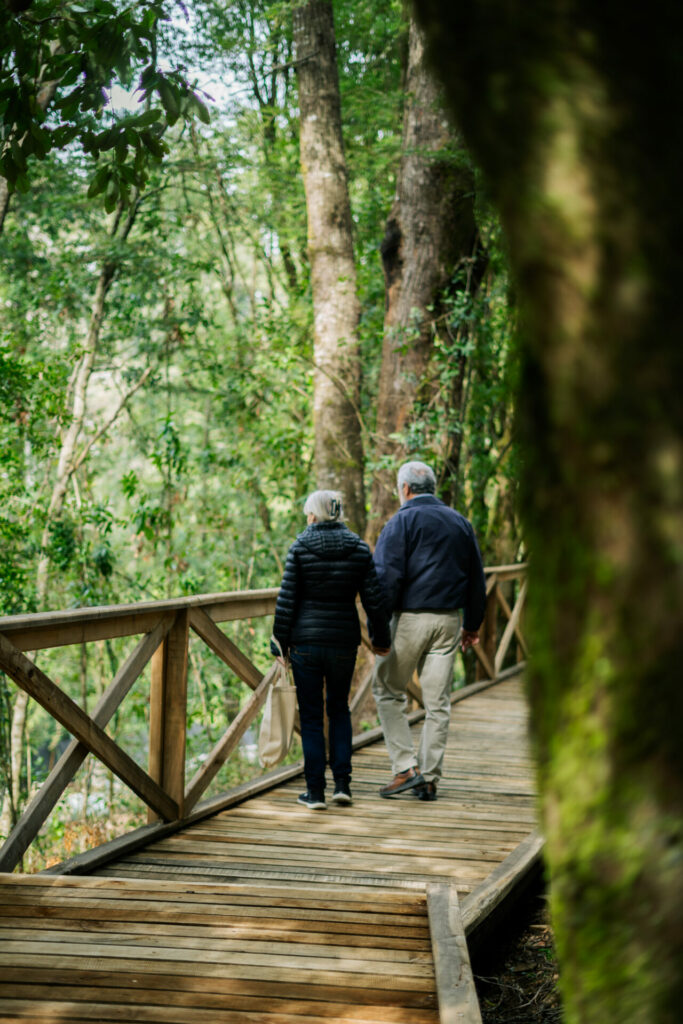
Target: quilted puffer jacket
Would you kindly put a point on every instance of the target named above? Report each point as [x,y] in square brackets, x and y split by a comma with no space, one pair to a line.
[327,565]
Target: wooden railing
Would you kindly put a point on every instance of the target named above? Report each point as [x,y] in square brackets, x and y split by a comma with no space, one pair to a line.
[165,627]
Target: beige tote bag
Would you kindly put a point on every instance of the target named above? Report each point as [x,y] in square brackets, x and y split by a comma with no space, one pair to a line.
[277,724]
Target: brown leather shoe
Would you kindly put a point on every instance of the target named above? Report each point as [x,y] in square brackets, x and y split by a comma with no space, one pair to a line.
[402,782]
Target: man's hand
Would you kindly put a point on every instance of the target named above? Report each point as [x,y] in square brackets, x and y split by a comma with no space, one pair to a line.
[382,651]
[468,638]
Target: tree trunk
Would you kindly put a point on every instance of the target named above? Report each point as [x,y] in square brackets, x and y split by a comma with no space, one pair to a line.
[430,233]
[573,111]
[338,456]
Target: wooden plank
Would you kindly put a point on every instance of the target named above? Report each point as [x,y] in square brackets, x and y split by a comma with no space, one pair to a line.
[244,921]
[371,736]
[508,614]
[230,739]
[347,827]
[507,572]
[299,849]
[81,625]
[484,660]
[486,648]
[175,649]
[68,764]
[39,686]
[320,872]
[94,859]
[76,1013]
[510,628]
[480,903]
[359,698]
[456,993]
[230,988]
[354,842]
[317,970]
[275,931]
[262,1004]
[206,939]
[48,887]
[251,899]
[155,753]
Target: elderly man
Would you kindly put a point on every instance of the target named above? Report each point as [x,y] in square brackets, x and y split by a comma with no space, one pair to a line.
[428,562]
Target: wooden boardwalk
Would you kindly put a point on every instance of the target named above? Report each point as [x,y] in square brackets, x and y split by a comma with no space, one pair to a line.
[269,913]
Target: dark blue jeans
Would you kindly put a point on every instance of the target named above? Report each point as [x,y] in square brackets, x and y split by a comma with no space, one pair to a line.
[319,669]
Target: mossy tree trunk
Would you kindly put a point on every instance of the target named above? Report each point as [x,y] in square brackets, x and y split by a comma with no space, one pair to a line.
[573,111]
[430,234]
[338,455]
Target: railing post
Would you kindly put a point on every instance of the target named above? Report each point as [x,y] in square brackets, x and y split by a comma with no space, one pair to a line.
[168,712]
[488,638]
[520,653]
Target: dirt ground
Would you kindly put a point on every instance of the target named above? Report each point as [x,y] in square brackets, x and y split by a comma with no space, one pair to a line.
[518,985]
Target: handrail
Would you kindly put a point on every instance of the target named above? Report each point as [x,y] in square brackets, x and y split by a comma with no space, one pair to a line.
[165,628]
[43,630]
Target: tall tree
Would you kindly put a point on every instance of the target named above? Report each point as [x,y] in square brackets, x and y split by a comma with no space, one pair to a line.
[573,110]
[430,234]
[336,404]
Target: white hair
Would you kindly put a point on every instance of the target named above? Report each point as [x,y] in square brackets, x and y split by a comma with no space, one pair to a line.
[419,477]
[326,506]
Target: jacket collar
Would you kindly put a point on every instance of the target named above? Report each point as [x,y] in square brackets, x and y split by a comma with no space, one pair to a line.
[421,499]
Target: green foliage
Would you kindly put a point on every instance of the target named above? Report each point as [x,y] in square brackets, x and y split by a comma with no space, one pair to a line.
[57,64]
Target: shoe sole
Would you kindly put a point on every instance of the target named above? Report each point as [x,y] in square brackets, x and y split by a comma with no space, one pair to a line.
[422,794]
[315,805]
[341,798]
[404,787]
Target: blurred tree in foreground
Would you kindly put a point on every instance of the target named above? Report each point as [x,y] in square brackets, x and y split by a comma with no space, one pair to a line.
[573,112]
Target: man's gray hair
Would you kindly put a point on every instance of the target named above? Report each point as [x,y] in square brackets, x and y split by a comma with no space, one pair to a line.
[326,506]
[419,477]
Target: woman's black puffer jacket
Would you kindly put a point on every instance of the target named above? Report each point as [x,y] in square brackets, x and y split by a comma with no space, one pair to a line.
[327,565]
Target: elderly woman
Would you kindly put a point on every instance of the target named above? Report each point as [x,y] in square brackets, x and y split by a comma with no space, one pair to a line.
[316,625]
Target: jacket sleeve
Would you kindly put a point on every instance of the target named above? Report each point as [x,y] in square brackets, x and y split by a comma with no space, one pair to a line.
[476,589]
[390,563]
[372,599]
[287,603]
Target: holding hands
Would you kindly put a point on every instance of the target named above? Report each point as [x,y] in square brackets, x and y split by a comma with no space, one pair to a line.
[468,638]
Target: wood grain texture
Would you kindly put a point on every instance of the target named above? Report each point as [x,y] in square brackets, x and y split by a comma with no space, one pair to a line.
[68,764]
[227,949]
[458,1003]
[264,911]
[39,686]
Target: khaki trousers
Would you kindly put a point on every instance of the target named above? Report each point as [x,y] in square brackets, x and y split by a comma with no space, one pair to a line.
[426,641]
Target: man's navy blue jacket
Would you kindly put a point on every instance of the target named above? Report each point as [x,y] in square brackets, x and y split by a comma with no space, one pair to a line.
[427,558]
